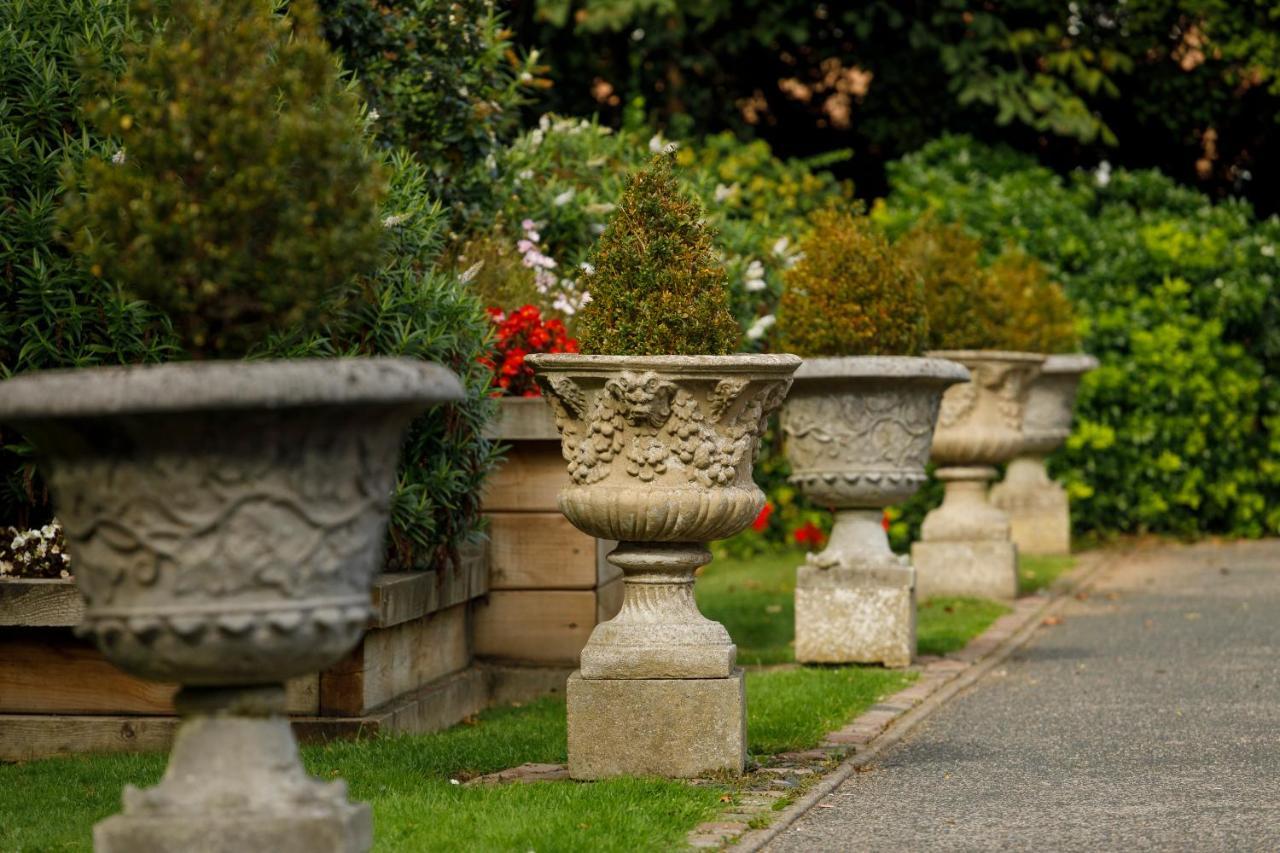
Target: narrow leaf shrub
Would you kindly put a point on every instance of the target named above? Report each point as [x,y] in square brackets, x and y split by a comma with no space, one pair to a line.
[244,188]
[52,312]
[850,294]
[658,288]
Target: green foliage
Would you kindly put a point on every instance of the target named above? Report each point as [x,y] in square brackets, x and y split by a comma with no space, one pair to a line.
[444,82]
[1178,431]
[657,288]
[566,176]
[1076,80]
[243,189]
[53,314]
[410,307]
[963,306]
[850,294]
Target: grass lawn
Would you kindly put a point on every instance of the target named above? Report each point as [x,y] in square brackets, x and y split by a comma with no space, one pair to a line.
[52,805]
[1036,573]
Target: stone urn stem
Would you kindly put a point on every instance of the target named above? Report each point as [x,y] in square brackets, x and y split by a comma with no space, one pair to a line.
[659,450]
[226,520]
[964,546]
[858,432]
[659,632]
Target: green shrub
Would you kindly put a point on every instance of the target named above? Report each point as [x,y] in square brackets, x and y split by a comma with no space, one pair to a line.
[1040,317]
[963,306]
[412,307]
[444,82]
[850,294]
[1178,431]
[244,188]
[657,286]
[52,313]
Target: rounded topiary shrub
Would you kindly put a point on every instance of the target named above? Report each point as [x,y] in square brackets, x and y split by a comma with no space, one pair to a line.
[657,288]
[964,307]
[244,188]
[1041,318]
[850,294]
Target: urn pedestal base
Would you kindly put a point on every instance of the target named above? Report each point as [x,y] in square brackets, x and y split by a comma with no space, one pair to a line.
[976,569]
[1038,509]
[855,602]
[235,783]
[964,547]
[674,727]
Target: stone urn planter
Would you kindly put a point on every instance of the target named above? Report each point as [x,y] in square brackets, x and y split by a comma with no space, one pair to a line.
[858,432]
[659,451]
[1038,509]
[964,546]
[226,520]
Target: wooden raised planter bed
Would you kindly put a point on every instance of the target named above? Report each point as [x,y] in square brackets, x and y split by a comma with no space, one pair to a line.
[411,672]
[549,584]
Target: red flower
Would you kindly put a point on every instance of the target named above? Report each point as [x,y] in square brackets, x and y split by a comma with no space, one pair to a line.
[809,535]
[884,521]
[519,333]
[762,520]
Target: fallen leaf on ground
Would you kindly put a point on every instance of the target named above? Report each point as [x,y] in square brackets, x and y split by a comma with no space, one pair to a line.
[1052,620]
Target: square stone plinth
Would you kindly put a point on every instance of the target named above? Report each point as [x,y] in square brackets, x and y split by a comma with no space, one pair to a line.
[1041,524]
[856,614]
[678,728]
[348,830]
[980,568]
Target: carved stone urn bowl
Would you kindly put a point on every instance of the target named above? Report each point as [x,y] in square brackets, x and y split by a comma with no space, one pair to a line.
[1038,507]
[660,450]
[858,432]
[226,520]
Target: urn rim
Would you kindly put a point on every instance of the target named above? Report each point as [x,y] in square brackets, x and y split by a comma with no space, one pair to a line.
[709,366]
[1068,363]
[966,355]
[942,371]
[222,385]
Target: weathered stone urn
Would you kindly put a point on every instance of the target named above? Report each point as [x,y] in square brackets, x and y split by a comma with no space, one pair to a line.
[858,432]
[1038,508]
[226,520]
[660,450]
[964,546]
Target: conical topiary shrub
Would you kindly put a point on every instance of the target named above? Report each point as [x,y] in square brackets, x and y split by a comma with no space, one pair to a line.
[657,286]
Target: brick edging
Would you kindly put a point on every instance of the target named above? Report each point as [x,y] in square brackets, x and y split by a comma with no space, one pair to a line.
[888,720]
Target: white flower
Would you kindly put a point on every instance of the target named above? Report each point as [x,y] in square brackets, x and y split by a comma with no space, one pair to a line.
[656,142]
[1102,175]
[597,228]
[564,198]
[724,192]
[373,116]
[760,326]
[1268,251]
[525,174]
[588,269]
[536,137]
[780,246]
[118,158]
[544,122]
[637,34]
[470,272]
[754,285]
[394,220]
[755,269]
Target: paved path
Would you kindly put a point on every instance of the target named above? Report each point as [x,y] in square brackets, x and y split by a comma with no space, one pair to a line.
[1148,719]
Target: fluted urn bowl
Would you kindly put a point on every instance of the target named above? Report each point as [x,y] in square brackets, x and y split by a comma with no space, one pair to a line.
[660,448]
[1051,402]
[226,518]
[980,422]
[858,429]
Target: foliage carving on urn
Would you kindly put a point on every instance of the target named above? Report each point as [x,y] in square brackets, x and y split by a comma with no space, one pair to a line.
[646,424]
[884,430]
